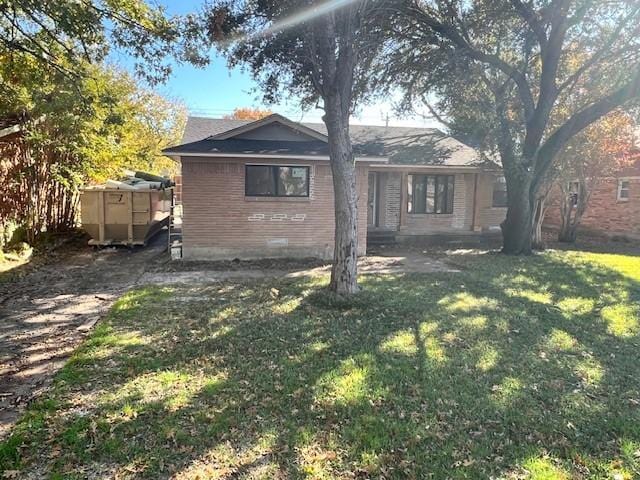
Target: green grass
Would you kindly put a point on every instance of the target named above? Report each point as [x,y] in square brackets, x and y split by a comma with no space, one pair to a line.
[513,368]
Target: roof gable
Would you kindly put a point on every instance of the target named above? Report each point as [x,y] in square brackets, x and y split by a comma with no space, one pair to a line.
[401,145]
[273,127]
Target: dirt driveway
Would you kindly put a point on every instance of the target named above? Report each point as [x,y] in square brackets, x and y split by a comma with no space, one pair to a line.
[47,312]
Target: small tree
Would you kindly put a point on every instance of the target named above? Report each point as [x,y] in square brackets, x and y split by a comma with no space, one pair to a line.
[317,52]
[75,131]
[511,74]
[598,152]
[248,113]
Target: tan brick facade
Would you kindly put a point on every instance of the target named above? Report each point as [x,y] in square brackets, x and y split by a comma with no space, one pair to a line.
[488,217]
[605,214]
[220,222]
[471,190]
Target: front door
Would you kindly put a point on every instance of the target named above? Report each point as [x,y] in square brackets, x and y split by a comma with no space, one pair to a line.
[372,203]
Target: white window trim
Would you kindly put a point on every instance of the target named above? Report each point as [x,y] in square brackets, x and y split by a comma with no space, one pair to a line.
[620,182]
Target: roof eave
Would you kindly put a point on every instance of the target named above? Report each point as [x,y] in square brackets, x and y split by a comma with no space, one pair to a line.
[171,153]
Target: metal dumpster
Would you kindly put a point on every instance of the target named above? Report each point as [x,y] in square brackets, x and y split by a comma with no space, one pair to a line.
[124,217]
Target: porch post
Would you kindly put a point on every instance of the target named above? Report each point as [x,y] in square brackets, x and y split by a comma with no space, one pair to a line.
[403,199]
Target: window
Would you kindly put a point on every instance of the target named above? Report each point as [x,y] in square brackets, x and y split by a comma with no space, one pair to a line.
[276,181]
[623,190]
[574,193]
[499,192]
[430,193]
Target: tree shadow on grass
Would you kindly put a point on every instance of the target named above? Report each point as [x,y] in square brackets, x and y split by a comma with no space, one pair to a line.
[516,364]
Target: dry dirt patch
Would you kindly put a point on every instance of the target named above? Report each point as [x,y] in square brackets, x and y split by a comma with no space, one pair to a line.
[47,311]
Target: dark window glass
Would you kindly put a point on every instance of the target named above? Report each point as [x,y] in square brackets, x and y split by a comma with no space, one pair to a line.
[292,181]
[441,194]
[276,181]
[259,180]
[450,182]
[499,192]
[574,192]
[419,195]
[623,189]
[430,193]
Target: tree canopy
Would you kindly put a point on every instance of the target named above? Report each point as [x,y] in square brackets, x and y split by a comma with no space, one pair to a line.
[595,155]
[68,34]
[73,131]
[248,113]
[519,78]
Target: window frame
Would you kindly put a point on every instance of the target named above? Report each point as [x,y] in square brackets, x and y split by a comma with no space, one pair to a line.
[620,189]
[493,192]
[276,167]
[446,180]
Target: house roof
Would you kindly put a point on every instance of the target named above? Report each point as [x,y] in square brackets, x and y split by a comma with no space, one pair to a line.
[264,147]
[402,145]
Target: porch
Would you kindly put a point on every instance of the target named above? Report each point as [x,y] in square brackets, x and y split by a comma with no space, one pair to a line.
[431,204]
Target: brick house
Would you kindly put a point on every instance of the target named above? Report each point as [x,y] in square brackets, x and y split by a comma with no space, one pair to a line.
[264,188]
[614,206]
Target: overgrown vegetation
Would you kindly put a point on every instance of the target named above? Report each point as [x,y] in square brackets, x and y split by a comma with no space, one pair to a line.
[530,373]
[66,118]
[73,131]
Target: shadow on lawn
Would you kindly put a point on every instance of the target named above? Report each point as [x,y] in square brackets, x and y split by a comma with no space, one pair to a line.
[456,375]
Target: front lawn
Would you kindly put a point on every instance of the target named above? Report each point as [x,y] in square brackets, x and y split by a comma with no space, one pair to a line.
[513,368]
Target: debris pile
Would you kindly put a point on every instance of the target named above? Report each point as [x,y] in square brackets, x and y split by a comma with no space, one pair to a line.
[138,181]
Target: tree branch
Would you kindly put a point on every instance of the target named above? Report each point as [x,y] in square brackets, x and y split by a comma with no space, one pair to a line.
[495,61]
[530,16]
[583,119]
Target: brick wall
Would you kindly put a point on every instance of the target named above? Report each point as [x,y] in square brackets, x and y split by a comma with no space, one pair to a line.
[391,201]
[219,222]
[488,217]
[605,215]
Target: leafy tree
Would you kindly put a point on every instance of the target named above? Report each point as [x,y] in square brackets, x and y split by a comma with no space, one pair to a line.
[248,113]
[68,34]
[319,53]
[519,78]
[75,131]
[598,152]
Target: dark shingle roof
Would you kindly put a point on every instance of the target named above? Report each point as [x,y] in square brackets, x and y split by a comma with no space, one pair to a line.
[261,147]
[403,145]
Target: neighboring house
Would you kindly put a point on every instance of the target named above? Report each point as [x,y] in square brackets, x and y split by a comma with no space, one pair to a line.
[264,188]
[614,205]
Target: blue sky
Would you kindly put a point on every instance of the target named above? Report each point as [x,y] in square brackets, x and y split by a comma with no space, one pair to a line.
[216,90]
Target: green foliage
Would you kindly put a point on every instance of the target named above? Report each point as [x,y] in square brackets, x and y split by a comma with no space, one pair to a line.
[283,43]
[510,368]
[518,78]
[64,34]
[75,130]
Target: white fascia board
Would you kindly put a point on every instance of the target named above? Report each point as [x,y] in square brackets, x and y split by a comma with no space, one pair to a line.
[280,157]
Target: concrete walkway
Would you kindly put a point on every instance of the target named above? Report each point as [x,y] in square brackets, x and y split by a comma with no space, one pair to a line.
[395,263]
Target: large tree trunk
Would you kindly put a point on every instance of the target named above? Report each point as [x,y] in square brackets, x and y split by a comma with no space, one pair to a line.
[344,272]
[517,226]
